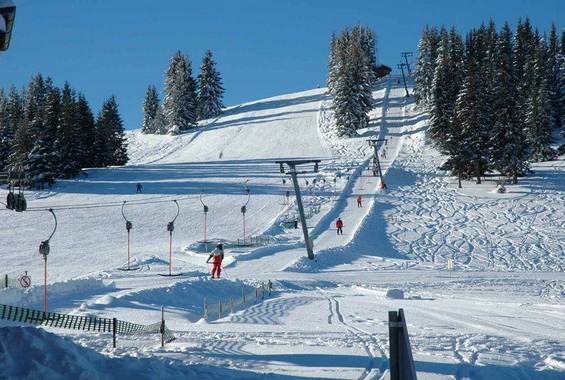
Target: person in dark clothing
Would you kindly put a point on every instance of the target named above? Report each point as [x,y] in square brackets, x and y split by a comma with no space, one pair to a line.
[339,226]
[138,188]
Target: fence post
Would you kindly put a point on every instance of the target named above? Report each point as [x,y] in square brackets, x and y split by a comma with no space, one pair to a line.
[205,308]
[114,328]
[231,306]
[220,312]
[6,281]
[401,360]
[262,291]
[162,326]
[243,295]
[255,294]
[270,287]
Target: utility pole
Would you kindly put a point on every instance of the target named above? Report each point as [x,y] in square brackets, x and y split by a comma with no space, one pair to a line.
[376,162]
[405,55]
[292,164]
[401,67]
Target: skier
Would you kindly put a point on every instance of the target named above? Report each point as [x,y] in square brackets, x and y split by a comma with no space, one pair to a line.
[138,188]
[218,255]
[359,201]
[339,226]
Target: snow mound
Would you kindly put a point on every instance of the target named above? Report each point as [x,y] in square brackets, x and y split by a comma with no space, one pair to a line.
[556,361]
[78,288]
[33,353]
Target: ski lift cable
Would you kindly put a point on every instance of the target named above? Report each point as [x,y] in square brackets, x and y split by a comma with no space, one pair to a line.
[107,205]
[110,203]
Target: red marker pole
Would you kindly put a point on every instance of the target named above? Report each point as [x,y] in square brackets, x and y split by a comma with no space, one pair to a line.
[128,250]
[170,252]
[45,285]
[243,228]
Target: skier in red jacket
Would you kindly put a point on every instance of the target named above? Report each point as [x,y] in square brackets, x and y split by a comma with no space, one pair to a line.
[339,226]
[218,256]
[359,201]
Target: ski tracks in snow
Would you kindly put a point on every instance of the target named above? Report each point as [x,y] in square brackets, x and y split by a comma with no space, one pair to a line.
[374,348]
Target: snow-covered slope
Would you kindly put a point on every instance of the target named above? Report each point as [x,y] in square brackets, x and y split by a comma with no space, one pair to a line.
[495,315]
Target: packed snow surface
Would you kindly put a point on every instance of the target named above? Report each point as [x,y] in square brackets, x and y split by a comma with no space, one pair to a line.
[496,314]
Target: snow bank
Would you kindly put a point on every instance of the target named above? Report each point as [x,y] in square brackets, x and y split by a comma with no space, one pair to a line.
[71,289]
[33,353]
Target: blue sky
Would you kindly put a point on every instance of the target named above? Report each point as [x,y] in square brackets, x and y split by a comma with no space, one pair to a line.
[263,48]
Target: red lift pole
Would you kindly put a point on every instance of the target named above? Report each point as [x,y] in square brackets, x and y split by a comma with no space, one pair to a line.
[44,251]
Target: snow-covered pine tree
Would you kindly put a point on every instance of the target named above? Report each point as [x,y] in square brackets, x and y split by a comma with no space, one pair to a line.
[42,160]
[150,110]
[441,106]
[210,90]
[456,57]
[553,77]
[425,65]
[5,134]
[180,103]
[488,41]
[346,102]
[87,131]
[333,65]
[473,151]
[111,147]
[350,78]
[68,144]
[14,116]
[538,107]
[523,56]
[160,123]
[510,150]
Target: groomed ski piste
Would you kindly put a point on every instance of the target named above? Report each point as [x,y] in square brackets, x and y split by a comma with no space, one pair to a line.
[499,313]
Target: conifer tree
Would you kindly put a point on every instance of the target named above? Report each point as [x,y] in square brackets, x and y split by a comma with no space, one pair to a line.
[87,131]
[333,65]
[425,65]
[210,90]
[67,143]
[468,115]
[14,116]
[553,77]
[350,77]
[441,111]
[538,107]
[180,103]
[150,110]
[5,141]
[42,161]
[110,145]
[510,151]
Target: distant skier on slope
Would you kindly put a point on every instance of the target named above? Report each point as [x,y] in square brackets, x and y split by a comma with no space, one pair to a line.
[359,201]
[138,188]
[339,226]
[218,256]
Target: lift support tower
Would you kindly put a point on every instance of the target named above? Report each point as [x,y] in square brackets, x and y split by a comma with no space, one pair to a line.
[292,164]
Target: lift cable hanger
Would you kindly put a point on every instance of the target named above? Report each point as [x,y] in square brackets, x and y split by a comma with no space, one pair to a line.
[171,228]
[129,226]
[44,251]
[244,207]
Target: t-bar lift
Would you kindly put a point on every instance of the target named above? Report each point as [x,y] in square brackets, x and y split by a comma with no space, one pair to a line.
[292,164]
